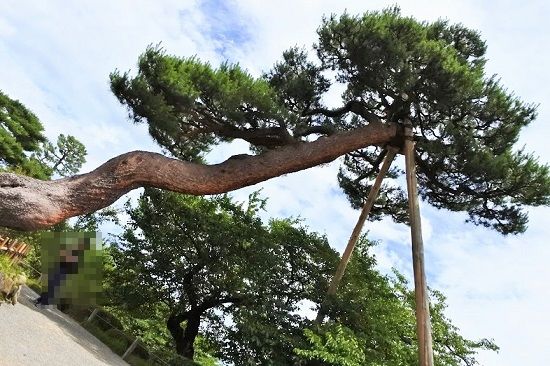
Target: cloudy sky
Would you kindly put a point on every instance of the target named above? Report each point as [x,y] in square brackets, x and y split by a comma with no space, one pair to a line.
[55,57]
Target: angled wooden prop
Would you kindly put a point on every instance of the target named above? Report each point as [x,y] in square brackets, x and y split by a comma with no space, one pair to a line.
[423,322]
[335,282]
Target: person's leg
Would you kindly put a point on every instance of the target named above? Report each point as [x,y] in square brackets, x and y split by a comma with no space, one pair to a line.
[39,300]
[54,281]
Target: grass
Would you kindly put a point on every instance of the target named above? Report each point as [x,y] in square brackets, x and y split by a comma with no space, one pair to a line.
[7,268]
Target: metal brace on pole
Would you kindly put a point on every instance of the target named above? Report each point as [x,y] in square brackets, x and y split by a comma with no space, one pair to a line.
[423,322]
[335,282]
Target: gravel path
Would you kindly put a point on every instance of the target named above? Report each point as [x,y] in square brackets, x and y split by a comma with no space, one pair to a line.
[32,336]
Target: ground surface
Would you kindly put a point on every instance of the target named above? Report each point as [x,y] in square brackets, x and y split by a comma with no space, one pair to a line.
[32,336]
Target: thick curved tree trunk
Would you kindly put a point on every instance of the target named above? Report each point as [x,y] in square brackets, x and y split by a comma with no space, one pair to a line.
[30,204]
[184,338]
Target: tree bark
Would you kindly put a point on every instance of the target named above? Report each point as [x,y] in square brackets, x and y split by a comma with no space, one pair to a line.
[174,327]
[184,338]
[422,306]
[31,204]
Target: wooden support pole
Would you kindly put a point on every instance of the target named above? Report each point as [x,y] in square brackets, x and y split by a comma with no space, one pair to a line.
[373,194]
[423,322]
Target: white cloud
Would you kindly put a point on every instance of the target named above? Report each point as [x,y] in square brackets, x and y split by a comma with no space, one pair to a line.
[62,53]
[497,287]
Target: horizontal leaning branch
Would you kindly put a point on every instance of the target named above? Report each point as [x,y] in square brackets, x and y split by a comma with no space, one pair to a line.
[30,204]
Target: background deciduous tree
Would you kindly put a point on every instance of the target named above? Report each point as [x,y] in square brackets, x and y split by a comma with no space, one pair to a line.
[212,264]
[372,322]
[209,269]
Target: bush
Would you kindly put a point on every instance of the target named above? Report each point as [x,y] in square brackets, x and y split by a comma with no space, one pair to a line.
[107,320]
[7,268]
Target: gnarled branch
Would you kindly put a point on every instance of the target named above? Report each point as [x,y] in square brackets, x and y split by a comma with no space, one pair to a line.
[30,204]
[354,106]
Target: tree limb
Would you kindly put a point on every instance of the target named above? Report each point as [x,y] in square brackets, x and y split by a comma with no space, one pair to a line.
[321,130]
[211,302]
[354,106]
[30,204]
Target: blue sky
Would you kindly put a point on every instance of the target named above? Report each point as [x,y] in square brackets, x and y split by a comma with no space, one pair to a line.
[55,57]
[224,26]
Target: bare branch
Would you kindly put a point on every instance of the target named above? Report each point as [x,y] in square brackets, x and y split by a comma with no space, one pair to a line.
[353,106]
[321,130]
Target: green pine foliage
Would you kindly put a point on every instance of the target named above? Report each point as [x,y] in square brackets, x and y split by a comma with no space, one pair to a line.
[394,69]
[64,159]
[20,134]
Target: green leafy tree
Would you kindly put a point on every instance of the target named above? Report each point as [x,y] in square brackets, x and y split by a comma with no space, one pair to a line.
[395,70]
[212,264]
[65,158]
[210,268]
[25,150]
[372,322]
[335,345]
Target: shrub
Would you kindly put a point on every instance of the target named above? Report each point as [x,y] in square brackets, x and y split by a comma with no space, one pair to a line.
[7,268]
[107,320]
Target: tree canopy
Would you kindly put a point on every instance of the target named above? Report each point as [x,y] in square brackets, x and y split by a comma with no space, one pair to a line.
[213,263]
[209,269]
[395,69]
[372,322]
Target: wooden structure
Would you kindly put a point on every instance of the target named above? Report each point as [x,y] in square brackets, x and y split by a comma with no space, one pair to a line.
[337,278]
[15,249]
[422,306]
